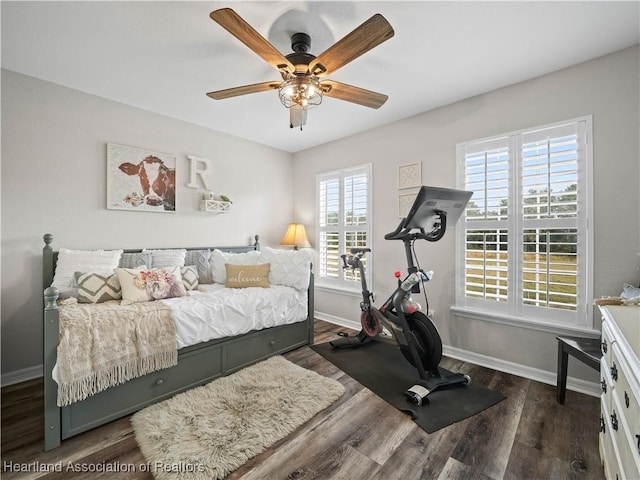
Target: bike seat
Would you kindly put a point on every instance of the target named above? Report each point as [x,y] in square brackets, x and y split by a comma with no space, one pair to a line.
[356,250]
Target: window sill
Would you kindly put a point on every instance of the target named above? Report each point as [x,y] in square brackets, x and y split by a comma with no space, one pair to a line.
[553,328]
[339,291]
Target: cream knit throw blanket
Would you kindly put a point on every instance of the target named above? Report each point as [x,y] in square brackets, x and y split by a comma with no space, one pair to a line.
[106,344]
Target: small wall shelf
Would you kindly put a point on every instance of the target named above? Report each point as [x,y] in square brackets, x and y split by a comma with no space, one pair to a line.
[215,206]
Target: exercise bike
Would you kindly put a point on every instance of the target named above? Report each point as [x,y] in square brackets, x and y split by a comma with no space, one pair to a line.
[399,320]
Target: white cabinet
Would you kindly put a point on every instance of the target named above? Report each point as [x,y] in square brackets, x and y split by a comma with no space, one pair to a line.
[620,400]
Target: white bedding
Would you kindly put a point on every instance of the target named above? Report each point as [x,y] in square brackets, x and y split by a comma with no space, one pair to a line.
[217,312]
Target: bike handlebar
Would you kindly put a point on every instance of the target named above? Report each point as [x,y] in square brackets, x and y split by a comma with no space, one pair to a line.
[394,235]
[402,233]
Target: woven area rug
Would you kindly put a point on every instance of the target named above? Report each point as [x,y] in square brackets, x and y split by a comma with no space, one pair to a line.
[209,431]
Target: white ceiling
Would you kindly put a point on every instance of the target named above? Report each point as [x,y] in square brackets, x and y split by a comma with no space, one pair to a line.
[164,56]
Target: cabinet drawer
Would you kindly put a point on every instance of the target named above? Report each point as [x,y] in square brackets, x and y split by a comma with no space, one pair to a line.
[626,443]
[620,368]
[610,454]
[606,383]
[628,399]
[607,341]
[194,368]
[264,343]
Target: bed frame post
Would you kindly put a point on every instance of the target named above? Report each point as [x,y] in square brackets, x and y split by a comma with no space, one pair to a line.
[52,431]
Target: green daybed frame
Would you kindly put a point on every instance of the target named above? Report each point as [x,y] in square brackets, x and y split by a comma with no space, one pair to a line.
[197,364]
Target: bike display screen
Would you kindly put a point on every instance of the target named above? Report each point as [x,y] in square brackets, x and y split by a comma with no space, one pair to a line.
[430,201]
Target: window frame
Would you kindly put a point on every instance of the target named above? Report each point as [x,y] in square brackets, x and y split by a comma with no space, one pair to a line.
[341,284]
[514,311]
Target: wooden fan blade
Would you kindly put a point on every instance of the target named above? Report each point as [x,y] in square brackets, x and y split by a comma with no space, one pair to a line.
[367,36]
[236,26]
[352,94]
[244,90]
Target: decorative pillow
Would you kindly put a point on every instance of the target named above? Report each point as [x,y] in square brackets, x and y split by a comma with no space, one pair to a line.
[167,258]
[189,277]
[219,259]
[288,267]
[144,285]
[242,276]
[200,258]
[97,288]
[135,260]
[71,261]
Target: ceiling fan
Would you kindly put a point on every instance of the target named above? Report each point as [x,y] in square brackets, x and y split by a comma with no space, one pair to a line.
[304,75]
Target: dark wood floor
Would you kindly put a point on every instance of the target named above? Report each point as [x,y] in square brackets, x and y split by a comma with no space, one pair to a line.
[526,436]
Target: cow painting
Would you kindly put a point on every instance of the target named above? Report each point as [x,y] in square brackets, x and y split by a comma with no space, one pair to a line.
[148,184]
[163,186]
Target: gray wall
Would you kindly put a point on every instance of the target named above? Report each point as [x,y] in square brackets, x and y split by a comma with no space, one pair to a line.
[607,88]
[54,181]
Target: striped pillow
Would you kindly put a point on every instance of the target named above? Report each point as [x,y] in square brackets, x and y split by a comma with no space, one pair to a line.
[71,261]
[167,258]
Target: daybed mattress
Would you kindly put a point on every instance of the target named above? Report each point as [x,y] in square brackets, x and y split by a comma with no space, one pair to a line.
[217,312]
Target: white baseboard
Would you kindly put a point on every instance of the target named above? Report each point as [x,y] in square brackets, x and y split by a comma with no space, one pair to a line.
[19,376]
[338,320]
[575,384]
[543,376]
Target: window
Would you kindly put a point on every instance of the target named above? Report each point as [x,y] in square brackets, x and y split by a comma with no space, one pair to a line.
[344,221]
[523,243]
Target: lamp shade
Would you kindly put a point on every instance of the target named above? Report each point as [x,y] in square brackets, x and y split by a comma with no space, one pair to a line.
[295,236]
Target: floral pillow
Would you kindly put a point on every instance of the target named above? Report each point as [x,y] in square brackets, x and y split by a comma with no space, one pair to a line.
[146,284]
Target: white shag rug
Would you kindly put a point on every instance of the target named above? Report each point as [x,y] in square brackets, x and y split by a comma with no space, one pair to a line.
[209,431]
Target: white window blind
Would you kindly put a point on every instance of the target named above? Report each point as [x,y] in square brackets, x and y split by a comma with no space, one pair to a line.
[524,249]
[486,171]
[344,221]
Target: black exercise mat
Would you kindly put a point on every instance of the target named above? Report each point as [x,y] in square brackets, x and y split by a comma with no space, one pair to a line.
[382,368]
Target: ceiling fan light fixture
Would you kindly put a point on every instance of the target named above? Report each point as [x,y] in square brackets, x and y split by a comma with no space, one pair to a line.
[301,71]
[302,91]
